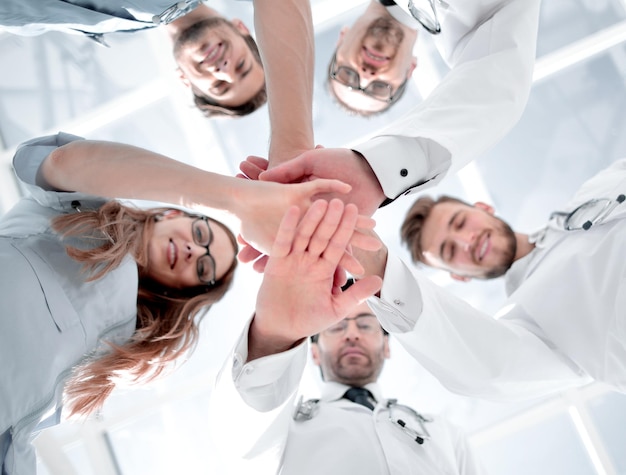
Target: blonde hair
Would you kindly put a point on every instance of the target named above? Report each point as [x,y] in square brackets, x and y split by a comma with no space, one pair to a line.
[166,327]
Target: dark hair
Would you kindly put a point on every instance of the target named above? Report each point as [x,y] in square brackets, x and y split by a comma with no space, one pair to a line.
[346,286]
[211,108]
[411,230]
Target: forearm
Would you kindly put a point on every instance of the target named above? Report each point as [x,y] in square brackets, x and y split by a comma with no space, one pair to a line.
[285,37]
[473,354]
[115,170]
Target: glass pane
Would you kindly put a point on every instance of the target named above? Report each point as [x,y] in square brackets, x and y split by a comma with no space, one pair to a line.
[609,416]
[171,439]
[547,448]
[562,23]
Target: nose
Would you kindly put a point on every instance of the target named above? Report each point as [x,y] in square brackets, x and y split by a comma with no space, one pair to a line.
[193,251]
[464,240]
[352,331]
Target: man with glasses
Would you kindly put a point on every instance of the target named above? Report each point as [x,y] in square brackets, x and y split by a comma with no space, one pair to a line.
[490,45]
[564,322]
[350,429]
[374,59]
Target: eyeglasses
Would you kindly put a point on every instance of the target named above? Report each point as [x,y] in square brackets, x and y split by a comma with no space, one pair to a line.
[589,213]
[429,21]
[379,90]
[203,236]
[366,324]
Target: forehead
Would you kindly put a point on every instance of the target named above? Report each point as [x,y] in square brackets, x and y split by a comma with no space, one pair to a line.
[361,309]
[437,226]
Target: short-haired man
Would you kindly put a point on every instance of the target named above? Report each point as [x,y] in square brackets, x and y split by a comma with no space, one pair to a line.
[352,428]
[566,312]
[217,58]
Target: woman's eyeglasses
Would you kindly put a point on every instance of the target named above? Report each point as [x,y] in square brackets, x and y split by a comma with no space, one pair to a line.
[203,236]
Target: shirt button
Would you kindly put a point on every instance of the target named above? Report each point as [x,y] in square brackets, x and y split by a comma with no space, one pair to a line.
[404,172]
[398,302]
[249,369]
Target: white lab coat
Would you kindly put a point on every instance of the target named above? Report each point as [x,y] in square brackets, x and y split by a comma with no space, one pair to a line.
[251,417]
[564,321]
[490,46]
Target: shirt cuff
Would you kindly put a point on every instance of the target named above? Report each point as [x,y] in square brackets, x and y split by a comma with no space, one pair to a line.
[400,303]
[402,164]
[267,382]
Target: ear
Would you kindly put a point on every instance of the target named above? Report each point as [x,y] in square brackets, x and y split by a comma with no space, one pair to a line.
[460,278]
[485,207]
[412,67]
[342,33]
[315,353]
[240,27]
[181,76]
[386,351]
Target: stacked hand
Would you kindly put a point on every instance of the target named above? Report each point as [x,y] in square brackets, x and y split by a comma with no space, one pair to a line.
[300,294]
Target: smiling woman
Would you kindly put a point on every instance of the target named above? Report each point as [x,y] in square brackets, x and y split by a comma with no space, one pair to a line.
[98,292]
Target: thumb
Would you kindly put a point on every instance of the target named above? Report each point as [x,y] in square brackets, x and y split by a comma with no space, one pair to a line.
[357,293]
[292,171]
[324,185]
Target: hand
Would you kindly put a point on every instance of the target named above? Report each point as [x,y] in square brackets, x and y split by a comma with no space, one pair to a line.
[300,293]
[338,163]
[260,206]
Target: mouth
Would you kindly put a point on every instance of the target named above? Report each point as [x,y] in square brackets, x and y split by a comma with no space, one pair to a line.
[172,254]
[212,54]
[373,57]
[483,246]
[352,352]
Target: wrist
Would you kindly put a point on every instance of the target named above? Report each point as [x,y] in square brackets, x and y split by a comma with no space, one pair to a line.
[265,342]
[377,193]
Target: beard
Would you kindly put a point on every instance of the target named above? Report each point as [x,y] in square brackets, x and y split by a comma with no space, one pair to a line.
[508,253]
[384,31]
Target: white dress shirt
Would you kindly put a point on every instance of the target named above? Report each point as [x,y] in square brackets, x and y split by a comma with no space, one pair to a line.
[251,417]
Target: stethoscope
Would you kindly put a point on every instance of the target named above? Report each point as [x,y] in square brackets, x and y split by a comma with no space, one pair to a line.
[587,214]
[307,410]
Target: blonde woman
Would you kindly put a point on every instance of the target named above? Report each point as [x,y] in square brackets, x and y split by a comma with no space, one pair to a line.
[94,290]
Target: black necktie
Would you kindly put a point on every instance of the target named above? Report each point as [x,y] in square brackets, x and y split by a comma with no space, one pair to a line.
[360,396]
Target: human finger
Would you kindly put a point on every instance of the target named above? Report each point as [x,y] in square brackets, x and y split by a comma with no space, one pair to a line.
[286,232]
[357,293]
[308,225]
[248,254]
[260,263]
[323,185]
[327,227]
[365,241]
[351,264]
[250,170]
[257,161]
[337,244]
[292,171]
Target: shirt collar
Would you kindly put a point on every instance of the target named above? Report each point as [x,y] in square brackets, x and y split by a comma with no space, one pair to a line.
[333,391]
[400,14]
